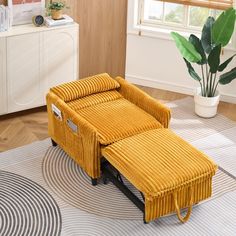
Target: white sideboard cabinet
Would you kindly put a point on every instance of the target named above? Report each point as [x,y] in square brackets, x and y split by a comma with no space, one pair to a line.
[3,81]
[32,60]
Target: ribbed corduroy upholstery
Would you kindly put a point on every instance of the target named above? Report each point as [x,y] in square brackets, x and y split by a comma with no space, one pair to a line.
[84,87]
[83,146]
[144,101]
[102,115]
[118,119]
[160,164]
[94,99]
[100,111]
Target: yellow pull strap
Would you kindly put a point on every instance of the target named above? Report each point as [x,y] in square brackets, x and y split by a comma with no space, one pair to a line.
[186,218]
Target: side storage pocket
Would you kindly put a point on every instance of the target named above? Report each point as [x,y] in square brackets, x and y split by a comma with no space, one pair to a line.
[56,127]
[74,142]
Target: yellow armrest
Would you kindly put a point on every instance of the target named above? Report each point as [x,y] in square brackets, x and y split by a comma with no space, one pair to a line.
[86,135]
[144,101]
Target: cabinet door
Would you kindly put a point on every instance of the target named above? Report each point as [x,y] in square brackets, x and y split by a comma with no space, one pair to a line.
[60,56]
[23,72]
[3,87]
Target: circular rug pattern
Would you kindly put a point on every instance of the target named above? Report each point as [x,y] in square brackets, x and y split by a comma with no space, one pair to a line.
[26,208]
[68,181]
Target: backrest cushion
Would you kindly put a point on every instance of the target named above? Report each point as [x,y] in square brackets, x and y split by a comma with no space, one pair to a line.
[84,87]
[94,99]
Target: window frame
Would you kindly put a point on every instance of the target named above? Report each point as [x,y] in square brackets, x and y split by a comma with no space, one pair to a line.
[162,22]
[161,29]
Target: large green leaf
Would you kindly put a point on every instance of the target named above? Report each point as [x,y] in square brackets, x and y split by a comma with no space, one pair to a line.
[206,37]
[214,59]
[187,50]
[228,77]
[225,64]
[196,42]
[191,71]
[223,27]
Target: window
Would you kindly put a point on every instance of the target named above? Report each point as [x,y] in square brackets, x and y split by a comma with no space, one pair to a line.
[166,14]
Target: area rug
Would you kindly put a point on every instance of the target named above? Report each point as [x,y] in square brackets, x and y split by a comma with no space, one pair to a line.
[43,192]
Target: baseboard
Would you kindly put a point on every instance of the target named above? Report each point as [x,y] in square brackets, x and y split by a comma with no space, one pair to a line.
[149,82]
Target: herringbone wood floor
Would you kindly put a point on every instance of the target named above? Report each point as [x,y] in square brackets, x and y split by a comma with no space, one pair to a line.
[22,128]
[25,127]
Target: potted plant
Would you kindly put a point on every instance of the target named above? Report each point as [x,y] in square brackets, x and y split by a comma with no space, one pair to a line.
[206,52]
[55,9]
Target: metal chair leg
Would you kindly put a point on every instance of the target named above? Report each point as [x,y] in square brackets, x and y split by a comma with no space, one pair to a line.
[144,221]
[94,181]
[54,144]
[105,179]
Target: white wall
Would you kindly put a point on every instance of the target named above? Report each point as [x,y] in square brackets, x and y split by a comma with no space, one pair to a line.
[153,60]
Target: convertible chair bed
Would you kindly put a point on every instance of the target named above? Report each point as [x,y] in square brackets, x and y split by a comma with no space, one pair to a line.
[113,129]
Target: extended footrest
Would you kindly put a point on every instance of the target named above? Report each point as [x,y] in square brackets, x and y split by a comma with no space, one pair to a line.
[170,173]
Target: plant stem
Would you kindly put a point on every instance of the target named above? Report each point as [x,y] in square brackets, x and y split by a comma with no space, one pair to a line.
[213,86]
[216,87]
[210,90]
[207,86]
[207,81]
[206,70]
[201,87]
[203,78]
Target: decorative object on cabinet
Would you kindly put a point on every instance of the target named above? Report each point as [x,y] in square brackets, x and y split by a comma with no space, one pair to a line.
[5,18]
[38,20]
[30,63]
[49,22]
[24,10]
[56,9]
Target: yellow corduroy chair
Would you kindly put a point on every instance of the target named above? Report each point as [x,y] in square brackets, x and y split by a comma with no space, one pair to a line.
[101,117]
[87,114]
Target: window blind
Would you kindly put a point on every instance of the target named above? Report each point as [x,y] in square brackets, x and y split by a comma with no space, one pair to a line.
[214,4]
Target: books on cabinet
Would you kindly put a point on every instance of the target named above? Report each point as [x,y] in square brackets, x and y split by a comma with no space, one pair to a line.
[49,22]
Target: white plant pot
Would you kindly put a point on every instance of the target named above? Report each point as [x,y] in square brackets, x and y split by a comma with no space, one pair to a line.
[206,107]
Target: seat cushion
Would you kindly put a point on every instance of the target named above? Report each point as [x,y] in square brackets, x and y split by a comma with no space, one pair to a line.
[118,119]
[158,161]
[84,87]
